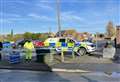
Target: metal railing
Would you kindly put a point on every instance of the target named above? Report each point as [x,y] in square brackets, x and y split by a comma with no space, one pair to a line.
[41,51]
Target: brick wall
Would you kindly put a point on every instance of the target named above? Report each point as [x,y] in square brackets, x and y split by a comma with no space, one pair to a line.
[118,35]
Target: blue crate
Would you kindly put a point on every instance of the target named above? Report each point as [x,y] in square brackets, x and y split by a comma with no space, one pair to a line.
[14,58]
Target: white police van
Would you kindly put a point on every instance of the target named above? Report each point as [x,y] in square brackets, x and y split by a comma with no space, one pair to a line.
[70,44]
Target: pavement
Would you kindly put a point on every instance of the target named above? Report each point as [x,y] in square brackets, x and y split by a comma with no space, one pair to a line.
[79,64]
[38,76]
[89,67]
[26,66]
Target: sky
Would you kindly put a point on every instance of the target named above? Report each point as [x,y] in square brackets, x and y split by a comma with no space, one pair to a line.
[40,15]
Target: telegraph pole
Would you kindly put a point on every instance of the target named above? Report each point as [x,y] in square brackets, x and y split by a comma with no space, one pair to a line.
[11,33]
[49,32]
[58,17]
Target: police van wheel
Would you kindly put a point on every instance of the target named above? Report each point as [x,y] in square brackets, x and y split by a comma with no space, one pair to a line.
[82,51]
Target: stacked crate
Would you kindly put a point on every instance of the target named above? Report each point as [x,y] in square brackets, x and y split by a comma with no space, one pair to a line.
[14,57]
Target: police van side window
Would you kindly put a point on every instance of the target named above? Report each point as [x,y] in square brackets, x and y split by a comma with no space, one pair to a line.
[71,41]
[61,40]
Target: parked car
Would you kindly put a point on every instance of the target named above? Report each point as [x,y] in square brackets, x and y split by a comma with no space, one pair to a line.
[38,43]
[20,43]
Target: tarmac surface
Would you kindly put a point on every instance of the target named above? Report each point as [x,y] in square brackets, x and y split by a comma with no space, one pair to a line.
[87,63]
[36,76]
[90,67]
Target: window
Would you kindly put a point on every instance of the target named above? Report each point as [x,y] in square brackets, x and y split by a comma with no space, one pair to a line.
[71,41]
[62,40]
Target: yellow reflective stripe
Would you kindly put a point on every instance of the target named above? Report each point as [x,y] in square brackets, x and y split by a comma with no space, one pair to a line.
[64,48]
[70,44]
[29,45]
[58,44]
[83,45]
[46,44]
[75,49]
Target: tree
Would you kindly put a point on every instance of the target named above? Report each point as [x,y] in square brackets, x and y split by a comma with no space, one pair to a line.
[1,38]
[18,37]
[34,36]
[27,35]
[70,33]
[111,32]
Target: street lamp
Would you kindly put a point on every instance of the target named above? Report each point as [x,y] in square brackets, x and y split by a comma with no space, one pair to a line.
[96,40]
[58,17]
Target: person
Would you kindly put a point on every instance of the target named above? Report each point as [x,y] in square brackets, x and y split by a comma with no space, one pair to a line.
[28,47]
[1,46]
[115,43]
[106,45]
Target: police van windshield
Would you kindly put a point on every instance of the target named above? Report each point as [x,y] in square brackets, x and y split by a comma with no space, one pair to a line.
[62,40]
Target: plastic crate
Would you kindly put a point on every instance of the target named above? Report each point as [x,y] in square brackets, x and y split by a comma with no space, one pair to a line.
[14,58]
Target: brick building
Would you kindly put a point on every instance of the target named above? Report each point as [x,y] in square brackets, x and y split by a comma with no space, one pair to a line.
[118,36]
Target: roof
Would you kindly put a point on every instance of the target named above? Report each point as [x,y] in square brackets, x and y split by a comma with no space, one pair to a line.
[118,27]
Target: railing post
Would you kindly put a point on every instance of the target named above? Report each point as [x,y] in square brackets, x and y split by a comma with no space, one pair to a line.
[51,54]
[73,54]
[62,55]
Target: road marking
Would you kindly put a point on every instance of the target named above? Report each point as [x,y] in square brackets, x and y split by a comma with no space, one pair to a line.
[4,71]
[69,70]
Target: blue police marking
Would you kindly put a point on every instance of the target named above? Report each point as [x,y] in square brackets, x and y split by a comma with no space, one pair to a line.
[63,44]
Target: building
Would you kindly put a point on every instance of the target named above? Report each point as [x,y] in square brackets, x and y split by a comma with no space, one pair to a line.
[118,36]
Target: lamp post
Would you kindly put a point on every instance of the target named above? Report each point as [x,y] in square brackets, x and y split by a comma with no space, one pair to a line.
[58,17]
[96,40]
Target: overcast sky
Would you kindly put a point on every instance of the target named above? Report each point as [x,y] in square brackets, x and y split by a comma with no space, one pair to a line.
[39,15]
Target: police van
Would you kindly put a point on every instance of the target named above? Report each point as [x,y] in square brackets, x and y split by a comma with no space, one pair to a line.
[69,44]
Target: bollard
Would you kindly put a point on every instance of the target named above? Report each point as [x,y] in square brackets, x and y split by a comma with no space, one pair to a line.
[51,55]
[73,55]
[62,55]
